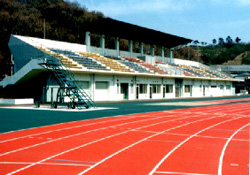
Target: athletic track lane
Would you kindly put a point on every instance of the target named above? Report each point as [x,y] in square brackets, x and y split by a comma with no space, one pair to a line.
[168,142]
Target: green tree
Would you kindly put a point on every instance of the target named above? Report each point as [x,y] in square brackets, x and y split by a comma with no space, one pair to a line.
[237,40]
[221,41]
[214,41]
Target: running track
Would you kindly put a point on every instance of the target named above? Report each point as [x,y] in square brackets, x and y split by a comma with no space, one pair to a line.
[202,141]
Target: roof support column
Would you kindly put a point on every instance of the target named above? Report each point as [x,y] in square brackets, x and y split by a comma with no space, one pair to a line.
[162,51]
[102,44]
[88,40]
[152,50]
[170,53]
[117,46]
[141,48]
[130,47]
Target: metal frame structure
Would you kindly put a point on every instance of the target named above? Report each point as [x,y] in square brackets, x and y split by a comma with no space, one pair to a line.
[68,86]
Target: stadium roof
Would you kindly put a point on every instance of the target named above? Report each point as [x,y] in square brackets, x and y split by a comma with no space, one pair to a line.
[115,28]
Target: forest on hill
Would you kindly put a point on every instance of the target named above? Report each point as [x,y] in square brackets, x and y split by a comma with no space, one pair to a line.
[65,21]
[221,52]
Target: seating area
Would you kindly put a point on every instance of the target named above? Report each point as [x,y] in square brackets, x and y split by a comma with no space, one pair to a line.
[83,60]
[218,74]
[65,60]
[212,74]
[94,61]
[132,65]
[204,72]
[195,72]
[113,64]
[177,70]
[147,65]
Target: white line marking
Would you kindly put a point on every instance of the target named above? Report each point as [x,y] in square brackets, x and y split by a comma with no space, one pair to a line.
[181,173]
[47,108]
[234,164]
[75,148]
[103,160]
[73,135]
[165,157]
[99,118]
[212,137]
[28,163]
[124,117]
[224,149]
[61,129]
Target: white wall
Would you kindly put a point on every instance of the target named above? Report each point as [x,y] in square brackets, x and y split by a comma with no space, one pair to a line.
[113,90]
[17,101]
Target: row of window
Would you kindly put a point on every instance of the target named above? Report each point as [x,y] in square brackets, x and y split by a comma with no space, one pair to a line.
[155,88]
[142,88]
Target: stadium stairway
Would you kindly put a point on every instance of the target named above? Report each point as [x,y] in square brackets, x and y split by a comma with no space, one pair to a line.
[65,78]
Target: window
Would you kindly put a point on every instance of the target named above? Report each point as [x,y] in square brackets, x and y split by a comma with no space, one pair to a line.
[221,87]
[101,85]
[169,88]
[156,88]
[83,84]
[213,86]
[187,88]
[142,88]
[228,87]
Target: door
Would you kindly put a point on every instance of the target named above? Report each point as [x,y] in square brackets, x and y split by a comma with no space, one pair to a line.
[164,91]
[124,90]
[137,92]
[178,87]
[177,90]
[150,91]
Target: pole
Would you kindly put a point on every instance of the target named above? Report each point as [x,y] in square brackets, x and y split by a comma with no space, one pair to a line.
[44,30]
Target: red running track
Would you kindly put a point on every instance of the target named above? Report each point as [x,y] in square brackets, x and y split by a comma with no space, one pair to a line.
[204,140]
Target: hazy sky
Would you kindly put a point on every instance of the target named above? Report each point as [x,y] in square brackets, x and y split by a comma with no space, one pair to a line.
[201,20]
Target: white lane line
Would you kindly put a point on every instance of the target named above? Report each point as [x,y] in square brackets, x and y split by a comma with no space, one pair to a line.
[28,163]
[224,149]
[180,173]
[104,138]
[202,136]
[125,115]
[223,110]
[73,135]
[165,157]
[61,129]
[112,155]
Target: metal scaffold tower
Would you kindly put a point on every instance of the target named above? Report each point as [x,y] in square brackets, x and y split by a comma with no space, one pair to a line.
[68,85]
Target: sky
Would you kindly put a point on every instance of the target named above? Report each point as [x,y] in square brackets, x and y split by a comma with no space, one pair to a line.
[202,20]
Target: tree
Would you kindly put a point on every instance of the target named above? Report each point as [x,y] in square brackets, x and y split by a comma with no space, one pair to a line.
[229,40]
[221,41]
[196,42]
[237,40]
[214,41]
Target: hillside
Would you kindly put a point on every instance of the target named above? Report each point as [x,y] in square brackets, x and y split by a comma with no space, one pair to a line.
[65,21]
[243,58]
[237,53]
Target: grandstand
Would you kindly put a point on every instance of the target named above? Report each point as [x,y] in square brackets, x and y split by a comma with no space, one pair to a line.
[110,74]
